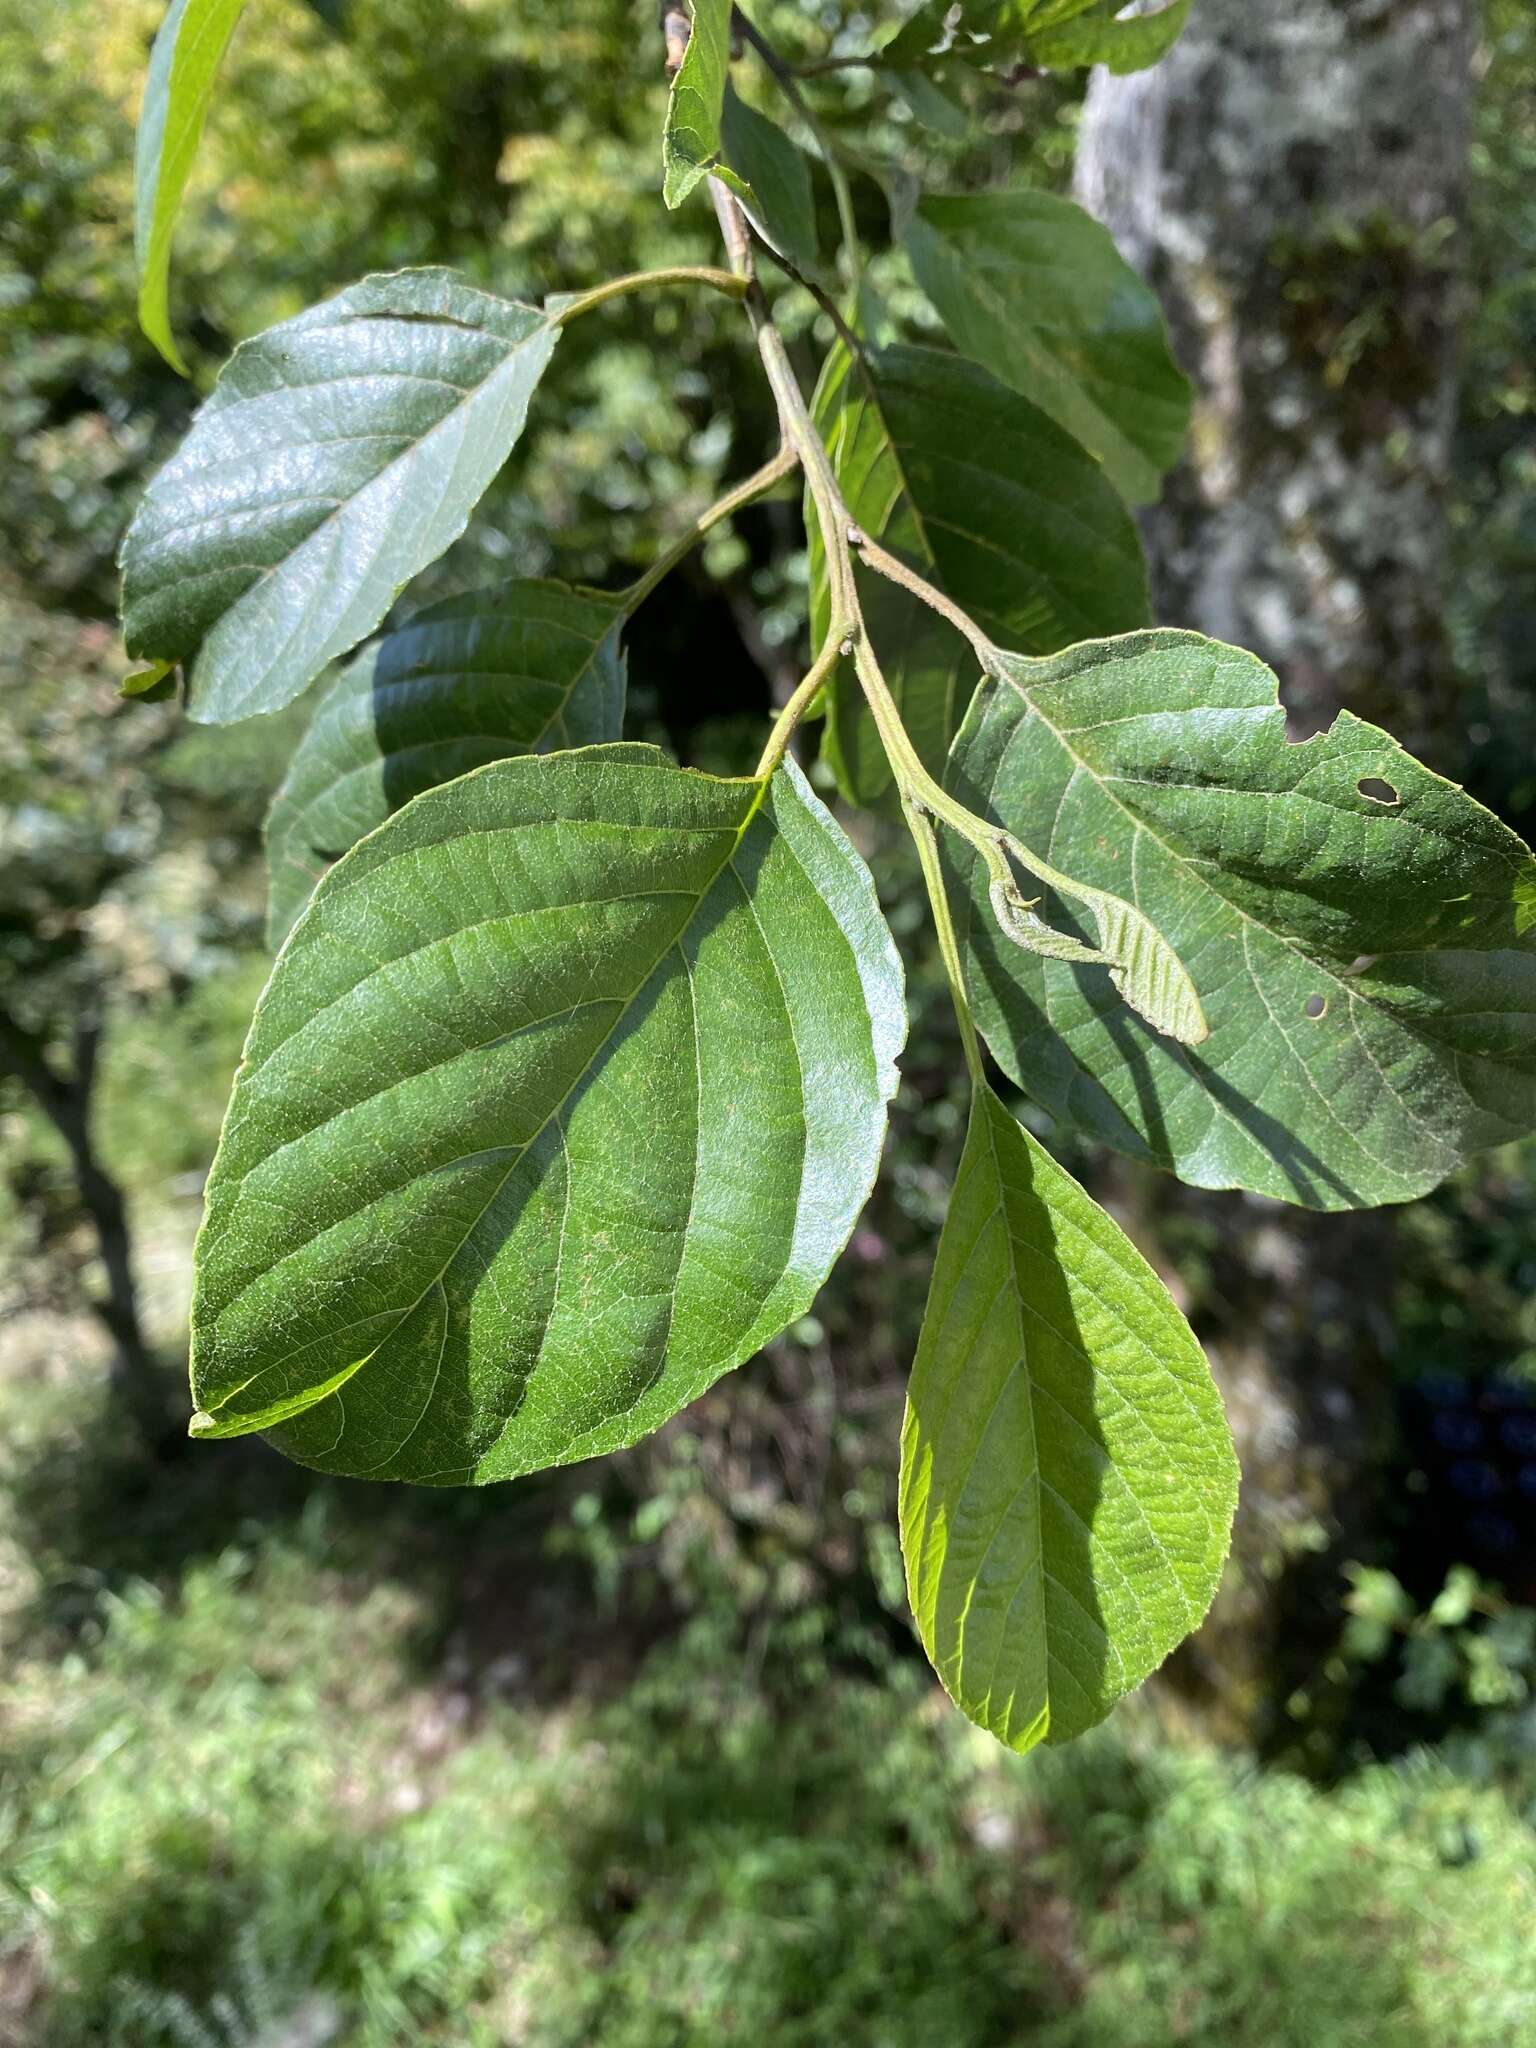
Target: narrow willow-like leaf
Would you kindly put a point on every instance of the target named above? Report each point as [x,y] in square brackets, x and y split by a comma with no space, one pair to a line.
[1359,931]
[191,41]
[777,177]
[976,488]
[1067,1476]
[528,668]
[564,1095]
[1035,289]
[340,453]
[691,142]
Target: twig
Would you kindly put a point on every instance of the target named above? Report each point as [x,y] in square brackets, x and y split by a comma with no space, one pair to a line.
[823,298]
[742,494]
[783,76]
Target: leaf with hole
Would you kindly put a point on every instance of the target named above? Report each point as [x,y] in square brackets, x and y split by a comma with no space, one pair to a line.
[182,65]
[691,145]
[1067,1475]
[530,668]
[563,1097]
[339,454]
[1360,932]
[974,487]
[1033,288]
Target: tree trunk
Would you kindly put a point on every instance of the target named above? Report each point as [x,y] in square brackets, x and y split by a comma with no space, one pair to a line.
[65,1099]
[1290,181]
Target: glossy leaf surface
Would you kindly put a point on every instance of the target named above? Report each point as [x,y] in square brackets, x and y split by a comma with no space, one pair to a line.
[564,1095]
[1032,287]
[182,65]
[691,141]
[528,668]
[976,488]
[339,454]
[1359,931]
[1067,1475]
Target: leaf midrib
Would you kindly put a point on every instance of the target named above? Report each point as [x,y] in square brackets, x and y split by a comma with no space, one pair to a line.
[532,1139]
[1336,978]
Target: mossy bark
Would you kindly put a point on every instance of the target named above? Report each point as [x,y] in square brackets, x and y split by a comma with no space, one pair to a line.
[1291,180]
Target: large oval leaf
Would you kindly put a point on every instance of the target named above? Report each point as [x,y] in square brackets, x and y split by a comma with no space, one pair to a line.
[1359,930]
[1035,289]
[340,453]
[1067,1475]
[562,1099]
[990,500]
[182,65]
[528,668]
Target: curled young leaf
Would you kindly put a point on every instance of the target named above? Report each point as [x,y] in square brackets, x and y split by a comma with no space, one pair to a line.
[564,1095]
[1142,965]
[527,668]
[1359,931]
[1067,1475]
[339,454]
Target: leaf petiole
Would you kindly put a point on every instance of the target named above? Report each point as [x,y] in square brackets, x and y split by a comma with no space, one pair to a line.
[755,486]
[733,287]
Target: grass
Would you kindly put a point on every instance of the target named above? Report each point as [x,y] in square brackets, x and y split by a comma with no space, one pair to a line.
[290,1763]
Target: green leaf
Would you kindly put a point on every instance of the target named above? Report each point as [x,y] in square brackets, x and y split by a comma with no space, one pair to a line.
[931,104]
[150,685]
[691,141]
[986,497]
[564,1095]
[1067,1476]
[340,453]
[1359,931]
[525,669]
[1056,34]
[1096,36]
[1031,287]
[182,64]
[777,177]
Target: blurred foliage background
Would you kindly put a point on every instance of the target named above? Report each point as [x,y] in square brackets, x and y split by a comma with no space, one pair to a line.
[643,1753]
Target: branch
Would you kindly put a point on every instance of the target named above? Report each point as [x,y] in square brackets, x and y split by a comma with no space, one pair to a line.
[783,76]
[823,298]
[754,486]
